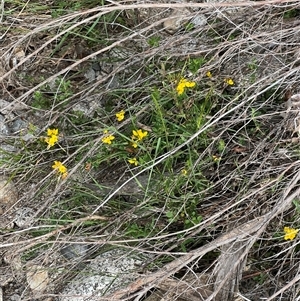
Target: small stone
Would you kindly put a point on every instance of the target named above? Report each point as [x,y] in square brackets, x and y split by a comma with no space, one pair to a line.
[90,74]
[28,137]
[18,126]
[4,131]
[24,217]
[199,20]
[37,278]
[74,251]
[8,193]
[8,108]
[15,297]
[176,20]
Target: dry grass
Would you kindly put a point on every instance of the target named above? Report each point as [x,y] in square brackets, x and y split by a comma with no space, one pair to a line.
[245,196]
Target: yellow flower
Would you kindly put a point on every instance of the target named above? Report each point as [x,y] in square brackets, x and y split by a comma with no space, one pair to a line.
[208,74]
[108,139]
[51,140]
[180,89]
[216,158]
[139,134]
[134,144]
[52,137]
[290,233]
[184,172]
[133,161]
[58,166]
[183,83]
[229,81]
[52,132]
[120,115]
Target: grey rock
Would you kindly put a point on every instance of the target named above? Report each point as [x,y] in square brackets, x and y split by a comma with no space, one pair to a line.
[73,251]
[15,297]
[8,108]
[87,108]
[18,125]
[96,66]
[91,74]
[28,137]
[108,272]
[24,217]
[6,149]
[199,20]
[4,131]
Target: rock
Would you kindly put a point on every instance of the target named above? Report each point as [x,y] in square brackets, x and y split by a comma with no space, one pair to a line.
[7,108]
[8,194]
[74,251]
[7,148]
[28,137]
[8,198]
[4,131]
[199,20]
[37,278]
[87,107]
[176,20]
[6,151]
[106,273]
[18,125]
[24,217]
[15,297]
[91,74]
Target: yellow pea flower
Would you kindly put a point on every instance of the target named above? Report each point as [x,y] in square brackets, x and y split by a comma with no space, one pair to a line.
[52,137]
[51,140]
[52,132]
[229,81]
[120,115]
[183,83]
[139,134]
[290,233]
[134,161]
[58,166]
[208,74]
[108,139]
[134,144]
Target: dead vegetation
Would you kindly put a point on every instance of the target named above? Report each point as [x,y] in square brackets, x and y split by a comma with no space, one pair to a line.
[216,232]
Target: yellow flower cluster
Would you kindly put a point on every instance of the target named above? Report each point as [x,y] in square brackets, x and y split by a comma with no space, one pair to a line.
[290,233]
[60,168]
[183,83]
[134,161]
[52,137]
[108,138]
[120,115]
[229,81]
[138,135]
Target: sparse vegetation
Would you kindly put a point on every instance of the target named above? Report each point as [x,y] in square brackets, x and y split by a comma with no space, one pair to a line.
[175,142]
